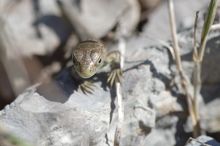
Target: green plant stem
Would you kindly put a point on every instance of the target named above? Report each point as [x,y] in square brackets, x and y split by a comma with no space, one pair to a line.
[206,27]
[198,55]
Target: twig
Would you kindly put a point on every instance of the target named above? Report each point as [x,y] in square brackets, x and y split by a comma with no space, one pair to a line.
[118,85]
[184,80]
[174,36]
[118,130]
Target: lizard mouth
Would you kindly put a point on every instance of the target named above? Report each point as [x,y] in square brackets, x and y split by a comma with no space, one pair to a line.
[85,74]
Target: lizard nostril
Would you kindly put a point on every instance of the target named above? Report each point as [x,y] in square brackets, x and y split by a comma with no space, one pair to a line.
[100,60]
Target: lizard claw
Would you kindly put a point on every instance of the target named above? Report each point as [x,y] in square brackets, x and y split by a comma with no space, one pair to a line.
[114,76]
[87,87]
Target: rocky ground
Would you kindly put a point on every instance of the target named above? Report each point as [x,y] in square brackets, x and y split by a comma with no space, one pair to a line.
[55,113]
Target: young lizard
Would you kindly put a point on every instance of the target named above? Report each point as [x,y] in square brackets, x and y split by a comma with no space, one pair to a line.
[89,57]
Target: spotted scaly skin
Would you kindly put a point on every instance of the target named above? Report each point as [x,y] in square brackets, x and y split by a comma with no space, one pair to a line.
[89,57]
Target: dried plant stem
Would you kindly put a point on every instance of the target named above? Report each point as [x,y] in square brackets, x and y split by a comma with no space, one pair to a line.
[198,55]
[118,85]
[196,81]
[174,36]
[196,93]
[184,80]
[195,52]
[118,130]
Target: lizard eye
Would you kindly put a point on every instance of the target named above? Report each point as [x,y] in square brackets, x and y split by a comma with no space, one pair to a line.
[100,60]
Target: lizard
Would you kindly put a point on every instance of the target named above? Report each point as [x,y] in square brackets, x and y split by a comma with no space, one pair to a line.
[89,57]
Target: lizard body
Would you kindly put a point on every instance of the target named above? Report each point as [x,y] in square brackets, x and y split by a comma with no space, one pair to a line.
[90,56]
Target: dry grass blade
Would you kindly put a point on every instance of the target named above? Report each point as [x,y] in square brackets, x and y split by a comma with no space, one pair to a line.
[197,129]
[118,131]
[195,52]
[184,80]
[174,36]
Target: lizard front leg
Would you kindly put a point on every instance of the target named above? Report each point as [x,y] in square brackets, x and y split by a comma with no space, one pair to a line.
[113,58]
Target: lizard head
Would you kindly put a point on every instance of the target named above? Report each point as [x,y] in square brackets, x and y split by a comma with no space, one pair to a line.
[87,57]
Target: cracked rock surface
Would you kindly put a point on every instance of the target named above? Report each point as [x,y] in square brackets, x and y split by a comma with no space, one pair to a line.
[78,119]
[155,113]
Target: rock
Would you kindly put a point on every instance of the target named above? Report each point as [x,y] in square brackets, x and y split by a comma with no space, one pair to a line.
[149,4]
[52,123]
[210,118]
[74,118]
[202,140]
[129,19]
[210,79]
[56,114]
[37,33]
[94,19]
[158,26]
[43,29]
[159,137]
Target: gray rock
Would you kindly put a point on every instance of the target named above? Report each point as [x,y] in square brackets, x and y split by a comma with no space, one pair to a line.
[60,115]
[202,141]
[158,26]
[78,119]
[210,79]
[210,118]
[129,18]
[36,34]
[94,19]
[44,28]
[43,122]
